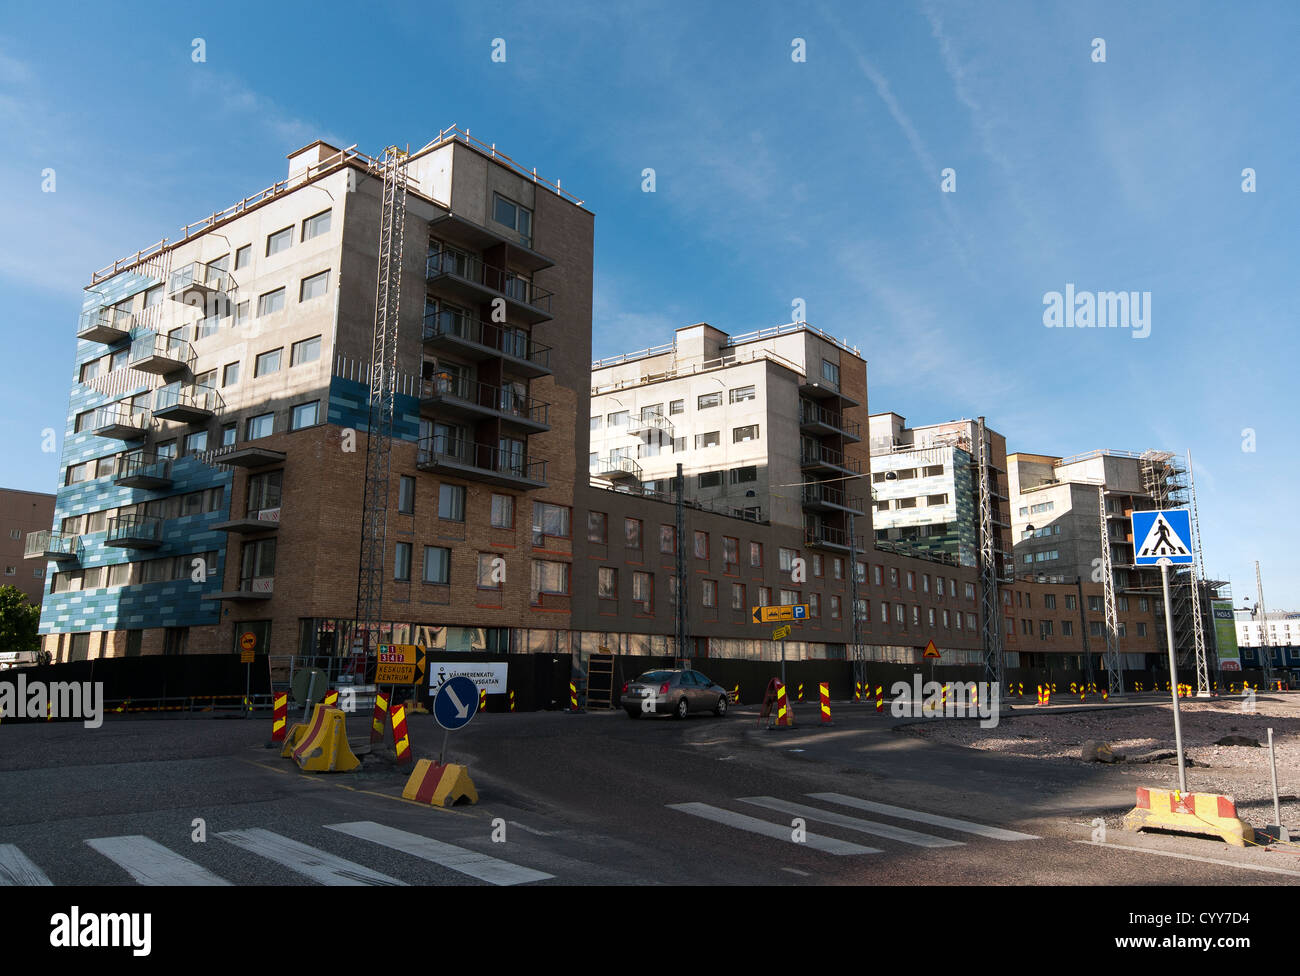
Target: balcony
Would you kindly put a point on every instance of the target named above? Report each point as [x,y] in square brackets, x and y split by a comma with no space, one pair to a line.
[197,277]
[160,354]
[187,404]
[476,341]
[478,283]
[818,422]
[653,423]
[460,396]
[140,470]
[818,458]
[617,468]
[250,590]
[829,498]
[825,537]
[108,325]
[482,462]
[258,520]
[45,544]
[824,389]
[457,229]
[134,532]
[121,422]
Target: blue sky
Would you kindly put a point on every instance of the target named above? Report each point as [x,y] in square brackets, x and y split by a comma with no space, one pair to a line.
[776,180]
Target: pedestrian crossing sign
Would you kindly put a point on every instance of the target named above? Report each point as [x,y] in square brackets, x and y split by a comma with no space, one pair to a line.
[1162,535]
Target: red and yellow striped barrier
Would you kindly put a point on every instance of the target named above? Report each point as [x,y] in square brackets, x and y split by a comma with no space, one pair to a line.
[324,747]
[1197,813]
[332,698]
[401,741]
[880,699]
[280,717]
[824,694]
[379,718]
[439,786]
[512,699]
[783,717]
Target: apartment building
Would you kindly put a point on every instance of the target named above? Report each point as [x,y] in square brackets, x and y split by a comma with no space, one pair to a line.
[22,513]
[1283,628]
[1055,624]
[214,455]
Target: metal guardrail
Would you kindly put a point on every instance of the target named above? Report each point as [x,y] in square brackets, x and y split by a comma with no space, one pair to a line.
[46,540]
[484,395]
[198,397]
[475,270]
[494,337]
[485,457]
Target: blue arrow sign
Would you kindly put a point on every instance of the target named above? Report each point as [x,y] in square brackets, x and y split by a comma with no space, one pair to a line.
[455,703]
[1166,534]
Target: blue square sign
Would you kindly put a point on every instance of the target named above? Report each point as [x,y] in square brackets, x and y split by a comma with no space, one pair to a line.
[1166,534]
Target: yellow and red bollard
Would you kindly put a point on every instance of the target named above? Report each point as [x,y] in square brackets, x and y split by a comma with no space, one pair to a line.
[857,692]
[735,695]
[512,699]
[799,694]
[401,741]
[784,715]
[377,719]
[332,698]
[880,699]
[573,696]
[482,699]
[280,717]
[824,694]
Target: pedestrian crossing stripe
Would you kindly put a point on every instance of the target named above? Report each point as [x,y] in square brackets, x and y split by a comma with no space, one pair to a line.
[1163,534]
[16,869]
[310,862]
[753,825]
[149,863]
[481,866]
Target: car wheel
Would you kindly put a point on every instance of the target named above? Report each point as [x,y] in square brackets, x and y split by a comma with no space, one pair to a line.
[721,710]
[682,708]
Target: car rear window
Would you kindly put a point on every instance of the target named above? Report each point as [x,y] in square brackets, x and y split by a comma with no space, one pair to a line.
[651,676]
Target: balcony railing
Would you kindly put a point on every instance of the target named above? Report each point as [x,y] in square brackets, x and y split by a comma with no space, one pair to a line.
[161,354]
[477,397]
[462,328]
[825,535]
[46,544]
[820,456]
[814,495]
[812,415]
[441,450]
[471,269]
[250,588]
[140,470]
[187,404]
[107,325]
[134,532]
[616,468]
[650,423]
[121,422]
[197,277]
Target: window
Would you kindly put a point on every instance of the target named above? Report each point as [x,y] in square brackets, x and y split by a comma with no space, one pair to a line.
[243,255]
[549,578]
[1141,629]
[230,375]
[911,580]
[1094,604]
[1070,602]
[643,591]
[789,598]
[741,393]
[741,434]
[787,558]
[314,286]
[730,554]
[701,545]
[676,407]
[814,605]
[437,565]
[830,373]
[1067,628]
[1044,628]
[597,527]
[970,591]
[709,593]
[270,302]
[764,596]
[619,419]
[835,607]
[153,296]
[241,313]
[488,578]
[737,596]
[595,423]
[756,555]
[304,415]
[552,520]
[711,439]
[451,502]
[879,574]
[1144,604]
[667,539]
[817,564]
[632,533]
[229,433]
[267,362]
[406,495]
[503,511]
[307,351]
[402,562]
[745,475]
[196,442]
[706,400]
[315,226]
[893,576]
[709,479]
[607,583]
[1049,601]
[263,425]
[517,218]
[281,240]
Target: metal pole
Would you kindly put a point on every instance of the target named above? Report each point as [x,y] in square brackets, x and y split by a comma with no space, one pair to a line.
[680,567]
[1272,765]
[1173,676]
[311,687]
[859,666]
[442,753]
[248,687]
[1083,631]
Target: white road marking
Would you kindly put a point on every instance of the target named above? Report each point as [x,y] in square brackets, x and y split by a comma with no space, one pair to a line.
[779,831]
[306,860]
[852,823]
[803,874]
[476,865]
[17,869]
[149,863]
[966,826]
[1192,857]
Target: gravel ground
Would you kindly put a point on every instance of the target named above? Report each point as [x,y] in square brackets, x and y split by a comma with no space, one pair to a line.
[1239,771]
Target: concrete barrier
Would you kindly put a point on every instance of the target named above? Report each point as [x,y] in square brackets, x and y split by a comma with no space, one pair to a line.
[324,745]
[1212,814]
[439,786]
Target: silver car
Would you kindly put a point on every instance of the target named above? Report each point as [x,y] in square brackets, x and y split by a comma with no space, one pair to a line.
[677,692]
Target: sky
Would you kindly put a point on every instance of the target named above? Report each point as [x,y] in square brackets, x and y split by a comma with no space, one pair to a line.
[783,171]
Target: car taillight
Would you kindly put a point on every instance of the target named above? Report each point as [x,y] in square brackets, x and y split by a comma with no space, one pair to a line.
[625,687]
[663,688]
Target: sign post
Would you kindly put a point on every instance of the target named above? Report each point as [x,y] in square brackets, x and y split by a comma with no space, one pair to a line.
[1163,538]
[454,705]
[789,611]
[247,648]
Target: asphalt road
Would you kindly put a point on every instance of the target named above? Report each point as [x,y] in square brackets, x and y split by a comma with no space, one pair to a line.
[580,799]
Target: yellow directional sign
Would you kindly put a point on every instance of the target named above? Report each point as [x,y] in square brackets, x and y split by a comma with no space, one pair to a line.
[400,664]
[794,611]
[781,632]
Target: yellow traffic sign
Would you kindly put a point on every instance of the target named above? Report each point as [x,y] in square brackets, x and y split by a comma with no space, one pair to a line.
[400,664]
[793,611]
[246,656]
[781,633]
[931,650]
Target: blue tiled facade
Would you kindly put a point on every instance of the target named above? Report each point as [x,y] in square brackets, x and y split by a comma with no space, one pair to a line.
[350,407]
[173,603]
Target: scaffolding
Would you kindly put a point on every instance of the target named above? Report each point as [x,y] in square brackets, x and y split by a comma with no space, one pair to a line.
[991,609]
[1114,670]
[383,382]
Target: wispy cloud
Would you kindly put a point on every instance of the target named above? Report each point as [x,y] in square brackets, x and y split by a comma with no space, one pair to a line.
[230,97]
